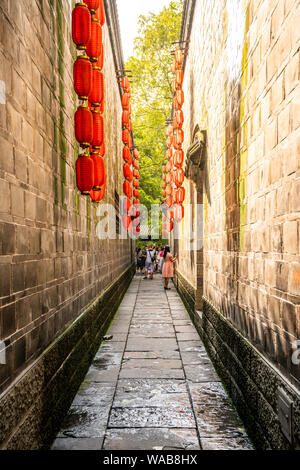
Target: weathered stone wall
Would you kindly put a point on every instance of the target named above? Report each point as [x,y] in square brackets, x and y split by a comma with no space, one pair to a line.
[52,265]
[242,86]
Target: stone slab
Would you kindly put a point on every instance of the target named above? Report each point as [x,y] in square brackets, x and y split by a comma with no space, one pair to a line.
[151,417]
[68,443]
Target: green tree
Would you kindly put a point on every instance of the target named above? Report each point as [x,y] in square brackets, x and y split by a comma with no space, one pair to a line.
[151,66]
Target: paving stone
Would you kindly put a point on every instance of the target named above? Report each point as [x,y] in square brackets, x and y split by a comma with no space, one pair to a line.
[195,357]
[210,392]
[118,337]
[112,347]
[151,417]
[187,328]
[94,394]
[85,421]
[151,373]
[201,373]
[150,344]
[152,364]
[226,443]
[107,373]
[192,336]
[68,443]
[152,333]
[151,439]
[103,358]
[152,355]
[218,420]
[189,346]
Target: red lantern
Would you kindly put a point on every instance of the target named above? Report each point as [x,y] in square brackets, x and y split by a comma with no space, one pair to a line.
[84,174]
[180,97]
[125,118]
[99,171]
[178,119]
[84,126]
[97,94]
[127,155]
[100,13]
[179,177]
[125,83]
[169,141]
[178,158]
[136,164]
[164,185]
[127,222]
[136,154]
[93,5]
[169,178]
[137,230]
[81,26]
[164,193]
[179,137]
[178,58]
[169,130]
[125,101]
[136,202]
[169,154]
[126,204]
[127,189]
[169,201]
[83,74]
[126,137]
[176,105]
[97,196]
[136,193]
[169,190]
[175,86]
[168,166]
[136,174]
[93,48]
[127,173]
[136,184]
[179,78]
[170,214]
[180,196]
[102,149]
[98,130]
[164,177]
[100,61]
[178,212]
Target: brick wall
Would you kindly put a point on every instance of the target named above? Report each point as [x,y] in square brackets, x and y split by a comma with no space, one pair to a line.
[52,265]
[242,86]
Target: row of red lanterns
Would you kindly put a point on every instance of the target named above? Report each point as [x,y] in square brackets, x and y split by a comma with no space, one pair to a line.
[88,17]
[173,174]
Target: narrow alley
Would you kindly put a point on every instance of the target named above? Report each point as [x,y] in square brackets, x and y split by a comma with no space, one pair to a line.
[152,385]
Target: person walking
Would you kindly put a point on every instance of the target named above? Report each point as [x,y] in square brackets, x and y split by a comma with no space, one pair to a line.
[139,261]
[149,265]
[167,270]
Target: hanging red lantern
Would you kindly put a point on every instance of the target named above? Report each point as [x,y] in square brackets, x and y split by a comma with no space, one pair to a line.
[169,154]
[136,184]
[164,193]
[178,212]
[164,177]
[100,13]
[169,190]
[179,78]
[168,166]
[102,149]
[180,195]
[179,58]
[169,178]
[175,86]
[179,137]
[164,185]
[93,5]
[84,174]
[126,137]
[127,173]
[125,83]
[126,204]
[136,154]
[83,126]
[169,130]
[180,97]
[169,201]
[169,141]
[137,231]
[81,26]
[83,76]
[93,48]
[136,174]
[100,61]
[97,196]
[127,155]
[179,177]
[178,119]
[98,130]
[170,214]
[127,189]
[136,202]
[136,164]
[97,94]
[127,222]
[136,194]
[125,101]
[99,171]
[178,158]
[125,118]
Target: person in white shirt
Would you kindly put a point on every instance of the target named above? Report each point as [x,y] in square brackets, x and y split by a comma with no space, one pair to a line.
[149,265]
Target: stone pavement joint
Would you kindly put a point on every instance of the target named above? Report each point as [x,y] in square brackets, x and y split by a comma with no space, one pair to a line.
[152,386]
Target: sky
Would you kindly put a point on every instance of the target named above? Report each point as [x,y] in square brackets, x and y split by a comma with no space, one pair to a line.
[129,11]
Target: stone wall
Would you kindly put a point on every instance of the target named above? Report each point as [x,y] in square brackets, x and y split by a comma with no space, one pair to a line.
[242,87]
[52,265]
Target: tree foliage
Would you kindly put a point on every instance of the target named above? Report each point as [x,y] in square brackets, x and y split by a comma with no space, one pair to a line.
[151,66]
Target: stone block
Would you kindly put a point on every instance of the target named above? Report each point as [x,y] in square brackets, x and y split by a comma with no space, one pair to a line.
[6,155]
[8,238]
[17,201]
[290,236]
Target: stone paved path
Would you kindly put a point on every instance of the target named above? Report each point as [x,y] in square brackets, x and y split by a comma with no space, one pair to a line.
[152,386]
